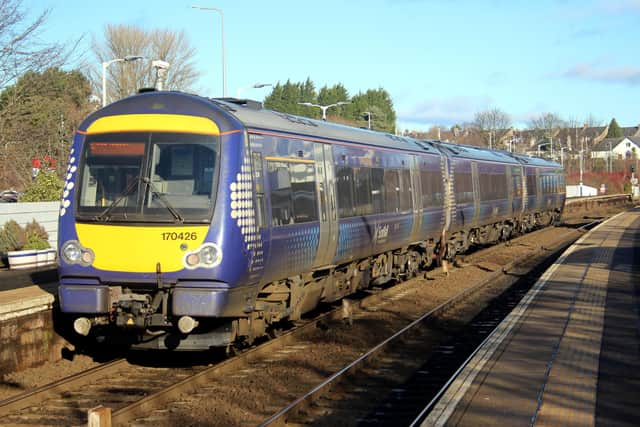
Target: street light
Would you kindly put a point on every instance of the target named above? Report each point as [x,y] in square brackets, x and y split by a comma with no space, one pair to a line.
[324,108]
[542,145]
[224,66]
[368,113]
[255,86]
[105,65]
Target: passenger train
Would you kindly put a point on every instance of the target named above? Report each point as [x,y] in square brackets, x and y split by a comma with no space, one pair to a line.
[190,223]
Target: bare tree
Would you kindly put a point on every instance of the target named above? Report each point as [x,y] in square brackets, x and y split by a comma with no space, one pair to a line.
[126,78]
[545,126]
[493,125]
[21,48]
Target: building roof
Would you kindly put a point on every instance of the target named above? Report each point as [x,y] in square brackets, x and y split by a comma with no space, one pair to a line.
[604,144]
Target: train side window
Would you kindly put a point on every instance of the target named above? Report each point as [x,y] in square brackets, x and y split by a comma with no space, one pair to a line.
[392,190]
[362,187]
[406,202]
[531,184]
[258,178]
[431,188]
[464,187]
[377,190]
[281,193]
[303,188]
[516,181]
[344,187]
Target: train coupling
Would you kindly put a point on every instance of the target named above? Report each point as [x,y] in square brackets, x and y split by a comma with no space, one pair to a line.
[132,310]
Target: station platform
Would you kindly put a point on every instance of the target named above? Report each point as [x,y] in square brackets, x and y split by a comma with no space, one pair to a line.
[569,354]
[27,291]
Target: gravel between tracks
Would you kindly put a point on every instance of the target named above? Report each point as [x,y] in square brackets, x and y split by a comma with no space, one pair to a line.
[244,400]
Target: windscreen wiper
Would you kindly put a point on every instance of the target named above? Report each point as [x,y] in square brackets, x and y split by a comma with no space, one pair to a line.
[163,199]
[104,215]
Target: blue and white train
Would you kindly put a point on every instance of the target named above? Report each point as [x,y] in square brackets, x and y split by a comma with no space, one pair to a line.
[190,223]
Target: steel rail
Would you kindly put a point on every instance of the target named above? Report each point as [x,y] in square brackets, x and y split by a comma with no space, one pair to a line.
[280,418]
[147,404]
[468,360]
[35,397]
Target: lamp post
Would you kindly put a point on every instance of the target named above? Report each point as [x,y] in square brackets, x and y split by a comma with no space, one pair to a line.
[224,66]
[324,108]
[105,65]
[581,167]
[368,113]
[542,145]
[255,86]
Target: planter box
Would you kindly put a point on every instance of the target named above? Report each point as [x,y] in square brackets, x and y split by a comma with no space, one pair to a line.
[51,256]
[41,257]
[19,260]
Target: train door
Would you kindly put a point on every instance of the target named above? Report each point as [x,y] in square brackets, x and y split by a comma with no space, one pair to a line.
[475,179]
[449,196]
[416,184]
[539,192]
[328,241]
[510,195]
[525,193]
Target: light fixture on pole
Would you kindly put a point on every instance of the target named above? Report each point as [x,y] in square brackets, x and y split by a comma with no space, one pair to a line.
[542,145]
[255,86]
[368,113]
[162,68]
[224,65]
[105,65]
[324,108]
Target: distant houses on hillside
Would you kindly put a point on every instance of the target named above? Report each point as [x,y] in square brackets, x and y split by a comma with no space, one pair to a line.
[627,147]
[565,142]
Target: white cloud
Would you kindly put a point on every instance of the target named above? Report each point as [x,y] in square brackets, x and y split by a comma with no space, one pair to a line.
[590,71]
[619,6]
[446,112]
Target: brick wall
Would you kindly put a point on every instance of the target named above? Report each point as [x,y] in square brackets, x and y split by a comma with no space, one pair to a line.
[28,341]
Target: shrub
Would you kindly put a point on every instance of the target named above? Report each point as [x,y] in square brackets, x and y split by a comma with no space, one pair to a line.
[12,237]
[36,242]
[47,187]
[35,229]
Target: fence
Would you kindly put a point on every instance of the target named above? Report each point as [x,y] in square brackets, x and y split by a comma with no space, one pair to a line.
[46,213]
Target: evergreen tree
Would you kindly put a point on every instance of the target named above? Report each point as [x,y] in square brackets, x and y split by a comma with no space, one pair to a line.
[287,98]
[615,131]
[39,114]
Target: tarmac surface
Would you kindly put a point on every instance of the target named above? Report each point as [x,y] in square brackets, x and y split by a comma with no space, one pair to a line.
[569,354]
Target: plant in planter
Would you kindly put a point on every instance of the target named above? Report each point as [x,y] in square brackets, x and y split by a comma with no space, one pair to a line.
[25,247]
[13,238]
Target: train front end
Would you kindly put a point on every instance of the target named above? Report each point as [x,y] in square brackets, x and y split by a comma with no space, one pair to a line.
[146,256]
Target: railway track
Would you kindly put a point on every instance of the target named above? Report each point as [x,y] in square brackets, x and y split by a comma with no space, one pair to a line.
[408,368]
[152,395]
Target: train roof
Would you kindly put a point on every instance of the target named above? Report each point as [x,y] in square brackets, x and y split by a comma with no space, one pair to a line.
[253,116]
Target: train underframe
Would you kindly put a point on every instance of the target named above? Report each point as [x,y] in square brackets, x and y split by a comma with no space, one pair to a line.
[140,318]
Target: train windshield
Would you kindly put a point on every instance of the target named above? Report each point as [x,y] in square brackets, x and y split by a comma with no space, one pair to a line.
[148,177]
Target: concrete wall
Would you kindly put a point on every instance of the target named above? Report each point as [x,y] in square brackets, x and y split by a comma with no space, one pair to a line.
[46,213]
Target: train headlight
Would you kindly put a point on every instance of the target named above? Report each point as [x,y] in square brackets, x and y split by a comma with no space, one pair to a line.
[193,260]
[208,255]
[71,252]
[74,253]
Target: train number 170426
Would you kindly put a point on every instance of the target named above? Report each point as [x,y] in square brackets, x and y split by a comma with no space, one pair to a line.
[172,235]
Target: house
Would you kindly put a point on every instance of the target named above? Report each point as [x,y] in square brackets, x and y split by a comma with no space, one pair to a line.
[626,147]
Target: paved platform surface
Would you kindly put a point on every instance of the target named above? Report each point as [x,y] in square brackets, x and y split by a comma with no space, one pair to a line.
[569,355]
[24,292]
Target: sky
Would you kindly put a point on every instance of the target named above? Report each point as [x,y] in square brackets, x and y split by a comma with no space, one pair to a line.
[441,61]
